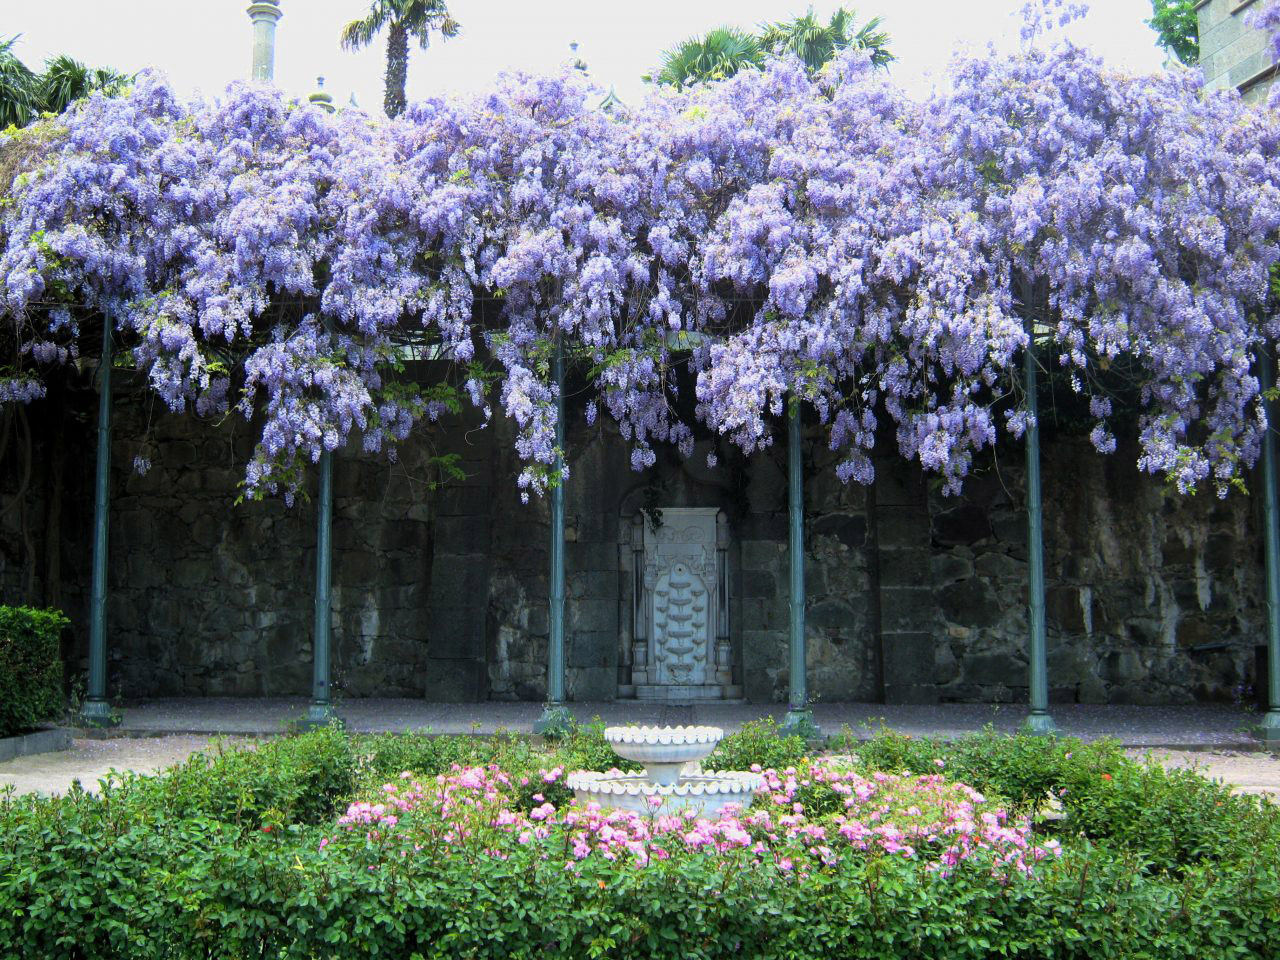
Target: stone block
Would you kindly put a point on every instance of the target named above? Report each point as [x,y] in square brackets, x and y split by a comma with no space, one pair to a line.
[763,554]
[764,614]
[905,609]
[453,681]
[995,668]
[949,567]
[593,615]
[1195,631]
[908,659]
[1000,566]
[832,615]
[962,526]
[465,500]
[1122,667]
[592,683]
[910,693]
[1067,607]
[904,568]
[898,484]
[1011,529]
[970,603]
[1068,666]
[456,632]
[764,652]
[458,580]
[899,527]
[758,584]
[592,648]
[592,583]
[462,534]
[597,556]
[848,530]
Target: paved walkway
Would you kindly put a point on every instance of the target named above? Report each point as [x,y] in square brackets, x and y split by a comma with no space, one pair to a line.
[1200,727]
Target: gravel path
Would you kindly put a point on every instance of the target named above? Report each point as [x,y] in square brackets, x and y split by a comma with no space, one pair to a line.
[1246,772]
[91,760]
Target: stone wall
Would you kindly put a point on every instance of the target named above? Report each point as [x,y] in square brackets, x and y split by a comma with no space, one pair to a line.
[1233,55]
[441,593]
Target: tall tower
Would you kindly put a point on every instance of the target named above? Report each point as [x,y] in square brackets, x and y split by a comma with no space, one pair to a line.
[264,14]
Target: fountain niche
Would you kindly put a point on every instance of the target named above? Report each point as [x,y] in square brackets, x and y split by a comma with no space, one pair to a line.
[664,752]
[680,648]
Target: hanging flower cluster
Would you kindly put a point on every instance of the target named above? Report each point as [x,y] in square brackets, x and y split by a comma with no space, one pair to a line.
[769,237]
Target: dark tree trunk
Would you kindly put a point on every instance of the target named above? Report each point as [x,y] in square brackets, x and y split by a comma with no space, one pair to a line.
[397,69]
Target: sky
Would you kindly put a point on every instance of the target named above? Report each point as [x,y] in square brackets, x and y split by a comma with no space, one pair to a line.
[201,45]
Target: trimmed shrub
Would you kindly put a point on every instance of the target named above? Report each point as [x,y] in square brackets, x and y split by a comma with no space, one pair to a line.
[293,780]
[30,668]
[758,742]
[123,876]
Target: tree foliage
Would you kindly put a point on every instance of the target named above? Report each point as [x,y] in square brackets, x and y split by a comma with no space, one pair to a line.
[1178,28]
[724,51]
[25,95]
[702,259]
[404,20]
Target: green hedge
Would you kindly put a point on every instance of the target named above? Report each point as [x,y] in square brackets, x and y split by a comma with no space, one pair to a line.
[30,668]
[221,858]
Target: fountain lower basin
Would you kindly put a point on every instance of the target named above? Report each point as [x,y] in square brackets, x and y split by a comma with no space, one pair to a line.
[706,794]
[664,752]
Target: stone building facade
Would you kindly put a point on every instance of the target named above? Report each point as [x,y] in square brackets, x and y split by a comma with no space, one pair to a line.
[1233,55]
[440,591]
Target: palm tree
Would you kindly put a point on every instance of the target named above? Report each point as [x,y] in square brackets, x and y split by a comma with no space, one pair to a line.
[66,80]
[24,94]
[816,44]
[19,89]
[719,55]
[404,19]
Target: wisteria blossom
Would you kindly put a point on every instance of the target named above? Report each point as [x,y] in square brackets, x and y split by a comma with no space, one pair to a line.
[774,238]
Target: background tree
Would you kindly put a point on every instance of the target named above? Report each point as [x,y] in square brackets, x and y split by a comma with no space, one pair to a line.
[403,19]
[724,51]
[816,43]
[25,94]
[1178,28]
[718,55]
[65,81]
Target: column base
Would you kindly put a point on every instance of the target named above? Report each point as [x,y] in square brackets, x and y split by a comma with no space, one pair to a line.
[1269,730]
[800,723]
[98,714]
[1039,725]
[319,715]
[554,722]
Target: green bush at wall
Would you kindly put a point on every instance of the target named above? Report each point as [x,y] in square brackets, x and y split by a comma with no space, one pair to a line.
[30,668]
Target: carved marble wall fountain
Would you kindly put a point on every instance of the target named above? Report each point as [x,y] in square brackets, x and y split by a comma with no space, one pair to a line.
[680,648]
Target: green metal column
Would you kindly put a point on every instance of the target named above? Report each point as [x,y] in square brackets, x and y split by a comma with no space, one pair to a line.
[799,719]
[1038,720]
[1269,728]
[96,711]
[321,710]
[555,715]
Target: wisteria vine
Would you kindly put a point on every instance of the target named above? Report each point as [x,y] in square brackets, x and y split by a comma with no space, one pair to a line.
[772,238]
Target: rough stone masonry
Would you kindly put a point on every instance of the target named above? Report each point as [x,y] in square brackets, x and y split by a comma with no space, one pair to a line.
[440,589]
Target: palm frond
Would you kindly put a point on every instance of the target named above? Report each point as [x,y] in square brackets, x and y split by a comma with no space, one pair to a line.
[718,55]
[359,34]
[66,80]
[19,88]
[815,44]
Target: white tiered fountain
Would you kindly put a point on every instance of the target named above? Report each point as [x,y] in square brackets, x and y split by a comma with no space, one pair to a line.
[664,751]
